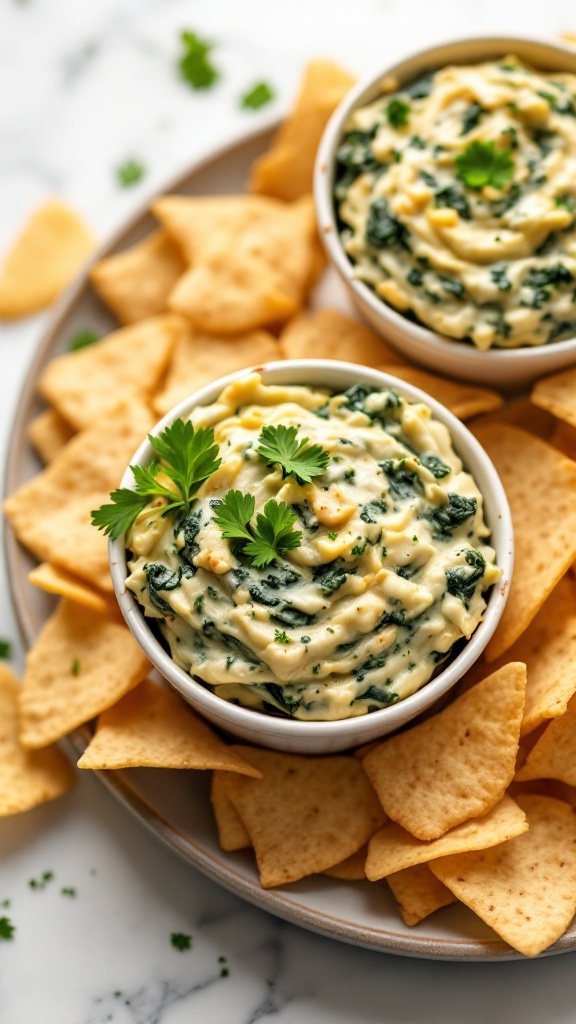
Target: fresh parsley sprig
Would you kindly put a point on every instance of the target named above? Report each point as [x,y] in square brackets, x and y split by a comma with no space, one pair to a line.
[272,536]
[185,455]
[280,446]
[480,163]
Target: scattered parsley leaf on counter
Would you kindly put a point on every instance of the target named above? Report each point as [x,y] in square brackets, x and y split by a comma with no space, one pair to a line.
[130,173]
[257,97]
[68,891]
[482,164]
[195,65]
[7,929]
[280,446]
[188,456]
[181,941]
[397,113]
[224,972]
[82,339]
[42,882]
[5,903]
[270,538]
[5,649]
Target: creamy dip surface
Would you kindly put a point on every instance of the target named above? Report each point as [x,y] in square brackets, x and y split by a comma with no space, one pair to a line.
[389,572]
[457,200]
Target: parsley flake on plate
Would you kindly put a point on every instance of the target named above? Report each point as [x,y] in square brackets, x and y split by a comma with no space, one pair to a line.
[82,339]
[180,941]
[5,649]
[280,446]
[195,65]
[270,538]
[482,164]
[130,173]
[397,113]
[258,96]
[7,929]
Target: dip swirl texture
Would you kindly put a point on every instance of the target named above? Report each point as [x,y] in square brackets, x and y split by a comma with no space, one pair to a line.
[457,201]
[389,573]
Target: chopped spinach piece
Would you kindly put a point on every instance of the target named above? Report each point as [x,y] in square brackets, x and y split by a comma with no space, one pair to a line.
[452,286]
[502,329]
[393,618]
[306,515]
[372,508]
[160,577]
[562,328]
[421,88]
[417,142]
[397,113]
[378,695]
[501,206]
[209,629]
[383,229]
[239,576]
[355,152]
[332,575]
[447,518]
[428,179]
[290,616]
[450,195]
[403,483]
[370,665]
[415,277]
[189,525]
[471,118]
[282,697]
[435,466]
[261,596]
[461,580]
[499,277]
[542,276]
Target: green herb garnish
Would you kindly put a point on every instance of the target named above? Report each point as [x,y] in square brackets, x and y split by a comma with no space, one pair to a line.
[258,96]
[181,941]
[5,649]
[272,536]
[397,113]
[129,173]
[280,446]
[83,339]
[42,882]
[281,637]
[188,457]
[195,65]
[75,667]
[7,929]
[68,891]
[482,164]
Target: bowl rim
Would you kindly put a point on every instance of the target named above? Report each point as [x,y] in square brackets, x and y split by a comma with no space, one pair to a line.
[475,460]
[368,89]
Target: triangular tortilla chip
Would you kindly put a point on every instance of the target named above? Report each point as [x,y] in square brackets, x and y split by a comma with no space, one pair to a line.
[136,282]
[152,727]
[464,400]
[350,870]
[524,889]
[54,580]
[231,832]
[519,412]
[305,815]
[84,385]
[287,169]
[540,485]
[81,664]
[553,756]
[193,222]
[199,358]
[48,434]
[564,439]
[418,893]
[27,778]
[46,256]
[456,765]
[328,334]
[393,848]
[557,394]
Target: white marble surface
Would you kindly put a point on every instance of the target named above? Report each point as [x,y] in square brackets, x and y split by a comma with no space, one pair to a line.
[85,86]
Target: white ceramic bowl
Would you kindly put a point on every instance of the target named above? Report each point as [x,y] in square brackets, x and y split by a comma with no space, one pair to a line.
[326,737]
[510,369]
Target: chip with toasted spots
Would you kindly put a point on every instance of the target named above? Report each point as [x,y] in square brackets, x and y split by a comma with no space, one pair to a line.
[54,580]
[553,756]
[456,765]
[350,870]
[192,222]
[81,663]
[286,170]
[136,282]
[564,439]
[231,832]
[464,400]
[46,256]
[27,777]
[305,815]
[418,893]
[519,412]
[540,485]
[152,727]
[129,363]
[50,514]
[393,848]
[557,395]
[48,434]
[199,358]
[328,334]
[524,889]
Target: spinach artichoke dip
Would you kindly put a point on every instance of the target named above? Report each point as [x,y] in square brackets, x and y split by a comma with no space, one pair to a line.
[456,197]
[330,562]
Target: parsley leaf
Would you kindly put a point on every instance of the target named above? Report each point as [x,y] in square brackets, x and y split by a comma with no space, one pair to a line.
[270,538]
[188,457]
[482,164]
[5,649]
[280,446]
[181,941]
[7,929]
[82,339]
[129,173]
[281,637]
[397,113]
[75,667]
[195,65]
[258,96]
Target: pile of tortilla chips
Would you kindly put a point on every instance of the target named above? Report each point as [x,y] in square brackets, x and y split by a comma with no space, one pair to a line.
[473,804]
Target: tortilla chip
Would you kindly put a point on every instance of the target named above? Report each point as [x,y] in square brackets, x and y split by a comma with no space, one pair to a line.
[53,580]
[418,893]
[557,394]
[464,400]
[328,334]
[128,363]
[393,849]
[136,282]
[192,222]
[564,439]
[305,815]
[524,889]
[48,433]
[200,358]
[286,171]
[350,870]
[519,412]
[553,756]
[81,664]
[456,765]
[540,485]
[50,514]
[46,256]
[152,727]
[253,277]
[231,832]
[27,778]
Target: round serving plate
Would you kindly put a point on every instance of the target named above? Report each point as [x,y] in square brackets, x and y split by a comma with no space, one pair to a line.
[175,805]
